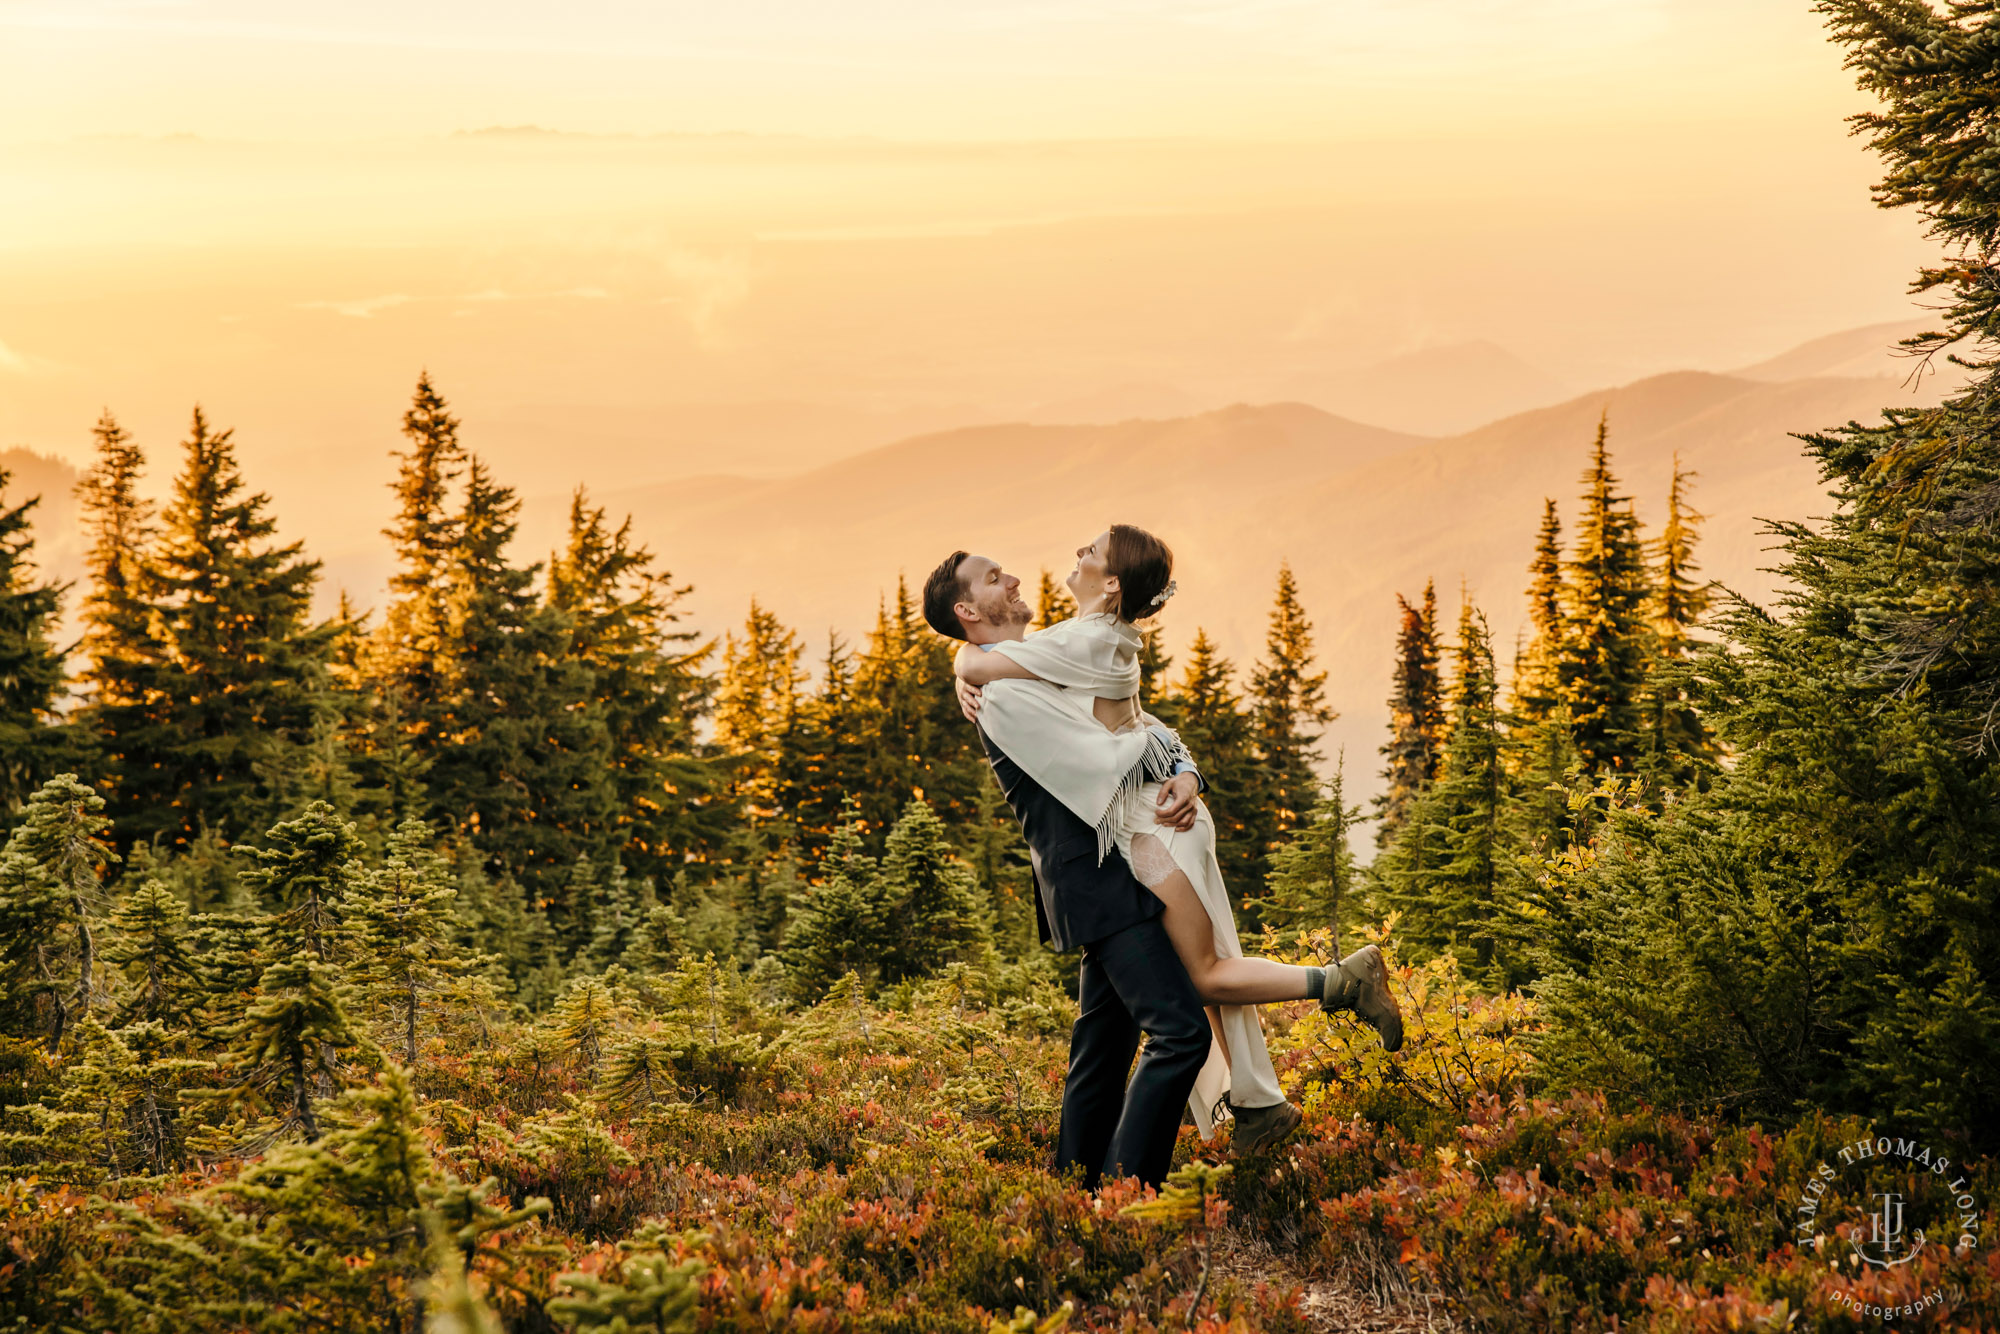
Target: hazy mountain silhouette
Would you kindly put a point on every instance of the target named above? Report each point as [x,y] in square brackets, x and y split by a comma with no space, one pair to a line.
[1869,352]
[1124,402]
[1433,391]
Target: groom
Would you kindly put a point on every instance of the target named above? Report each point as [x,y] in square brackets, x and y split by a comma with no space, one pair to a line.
[1132,981]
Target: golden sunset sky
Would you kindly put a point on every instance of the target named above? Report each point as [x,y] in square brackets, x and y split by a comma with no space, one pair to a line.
[637,241]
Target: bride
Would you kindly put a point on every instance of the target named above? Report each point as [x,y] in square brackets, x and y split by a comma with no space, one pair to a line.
[1097,751]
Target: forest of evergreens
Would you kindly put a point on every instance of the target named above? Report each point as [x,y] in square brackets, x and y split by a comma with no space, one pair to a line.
[513,955]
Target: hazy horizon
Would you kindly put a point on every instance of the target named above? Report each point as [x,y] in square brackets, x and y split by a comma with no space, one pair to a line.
[636,245]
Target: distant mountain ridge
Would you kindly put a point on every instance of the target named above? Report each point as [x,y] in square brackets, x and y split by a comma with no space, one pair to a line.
[1359,512]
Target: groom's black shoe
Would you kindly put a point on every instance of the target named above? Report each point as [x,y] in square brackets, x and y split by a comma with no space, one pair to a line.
[1360,983]
[1260,1128]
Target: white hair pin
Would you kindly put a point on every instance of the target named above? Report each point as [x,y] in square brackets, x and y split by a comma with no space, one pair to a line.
[1165,593]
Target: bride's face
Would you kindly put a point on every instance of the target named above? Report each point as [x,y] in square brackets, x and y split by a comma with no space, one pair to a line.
[1091,583]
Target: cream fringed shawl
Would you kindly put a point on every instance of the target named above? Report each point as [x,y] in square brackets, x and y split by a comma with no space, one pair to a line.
[1053,734]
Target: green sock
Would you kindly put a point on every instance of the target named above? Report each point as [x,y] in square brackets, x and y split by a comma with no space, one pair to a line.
[1315,983]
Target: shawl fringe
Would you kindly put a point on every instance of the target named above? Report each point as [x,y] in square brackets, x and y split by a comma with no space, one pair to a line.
[1156,765]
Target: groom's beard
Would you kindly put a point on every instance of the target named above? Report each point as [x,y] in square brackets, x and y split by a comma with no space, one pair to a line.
[1009,615]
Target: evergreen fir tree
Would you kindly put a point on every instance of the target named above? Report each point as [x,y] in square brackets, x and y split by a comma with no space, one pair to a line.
[646,1292]
[916,740]
[838,925]
[827,754]
[74,1132]
[616,920]
[1288,708]
[119,529]
[527,771]
[1602,669]
[583,1021]
[231,950]
[157,1071]
[1416,715]
[1820,929]
[113,1110]
[1676,741]
[307,877]
[241,674]
[931,898]
[51,898]
[777,884]
[403,928]
[756,703]
[1154,663]
[150,943]
[411,658]
[1052,602]
[32,737]
[1537,689]
[285,1046]
[1313,874]
[648,681]
[640,1073]
[1449,864]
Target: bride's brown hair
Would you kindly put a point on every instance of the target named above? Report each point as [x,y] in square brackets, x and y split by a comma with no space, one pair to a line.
[1144,565]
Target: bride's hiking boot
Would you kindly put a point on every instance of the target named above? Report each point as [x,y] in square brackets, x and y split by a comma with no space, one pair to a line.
[1261,1128]
[1360,983]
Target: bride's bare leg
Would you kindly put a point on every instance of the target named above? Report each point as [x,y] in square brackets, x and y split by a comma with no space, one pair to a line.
[1221,1038]
[1221,981]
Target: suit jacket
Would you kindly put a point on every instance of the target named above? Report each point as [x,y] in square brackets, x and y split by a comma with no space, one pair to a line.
[1077,901]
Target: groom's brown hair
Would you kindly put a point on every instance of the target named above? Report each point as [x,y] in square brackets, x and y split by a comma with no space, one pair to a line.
[943,591]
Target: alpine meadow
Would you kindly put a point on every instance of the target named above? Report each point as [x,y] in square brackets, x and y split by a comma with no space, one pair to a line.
[520,953]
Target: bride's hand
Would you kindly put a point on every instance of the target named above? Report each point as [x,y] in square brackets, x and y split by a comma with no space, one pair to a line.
[968,698]
[1177,801]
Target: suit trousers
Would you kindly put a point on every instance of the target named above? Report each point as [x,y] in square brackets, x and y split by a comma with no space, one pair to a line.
[1132,982]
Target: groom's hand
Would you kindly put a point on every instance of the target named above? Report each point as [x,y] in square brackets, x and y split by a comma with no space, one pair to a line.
[968,699]
[1177,801]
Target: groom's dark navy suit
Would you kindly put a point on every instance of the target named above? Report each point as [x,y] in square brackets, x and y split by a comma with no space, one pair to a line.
[1132,982]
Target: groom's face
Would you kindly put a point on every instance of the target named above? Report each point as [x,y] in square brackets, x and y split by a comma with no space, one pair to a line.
[992,594]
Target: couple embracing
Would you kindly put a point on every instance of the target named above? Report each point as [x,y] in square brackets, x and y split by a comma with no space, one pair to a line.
[1124,858]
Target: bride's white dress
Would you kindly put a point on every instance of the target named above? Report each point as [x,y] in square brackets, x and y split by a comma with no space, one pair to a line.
[1111,780]
[1154,852]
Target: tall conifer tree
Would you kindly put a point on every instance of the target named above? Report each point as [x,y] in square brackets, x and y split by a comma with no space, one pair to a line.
[1052,602]
[240,679]
[828,753]
[425,536]
[1537,688]
[408,661]
[1313,873]
[648,681]
[1602,668]
[757,702]
[1449,864]
[51,907]
[119,529]
[525,764]
[1676,740]
[1416,714]
[32,738]
[1288,707]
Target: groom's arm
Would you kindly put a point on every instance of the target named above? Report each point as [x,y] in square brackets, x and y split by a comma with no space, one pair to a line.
[1177,795]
